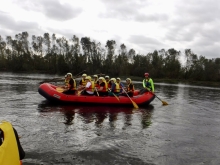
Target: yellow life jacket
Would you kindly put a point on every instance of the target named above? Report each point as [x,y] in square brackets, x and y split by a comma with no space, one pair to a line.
[9,154]
[108,83]
[66,82]
[83,82]
[106,86]
[117,88]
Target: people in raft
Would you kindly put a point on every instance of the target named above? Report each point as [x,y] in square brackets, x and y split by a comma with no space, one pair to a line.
[121,85]
[20,149]
[148,84]
[115,89]
[102,89]
[89,88]
[96,80]
[107,79]
[82,82]
[129,90]
[65,82]
[71,86]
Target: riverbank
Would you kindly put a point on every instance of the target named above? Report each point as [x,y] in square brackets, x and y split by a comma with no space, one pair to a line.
[176,81]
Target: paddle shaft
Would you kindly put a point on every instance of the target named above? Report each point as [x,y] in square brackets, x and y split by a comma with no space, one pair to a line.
[114,94]
[97,91]
[134,104]
[164,102]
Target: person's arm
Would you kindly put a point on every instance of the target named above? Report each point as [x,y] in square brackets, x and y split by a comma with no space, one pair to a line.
[88,84]
[122,85]
[113,87]
[144,85]
[101,87]
[152,85]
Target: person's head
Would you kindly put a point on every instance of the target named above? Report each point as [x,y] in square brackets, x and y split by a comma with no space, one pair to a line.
[88,78]
[84,76]
[106,78]
[95,76]
[113,80]
[69,75]
[118,80]
[128,80]
[146,75]
[101,79]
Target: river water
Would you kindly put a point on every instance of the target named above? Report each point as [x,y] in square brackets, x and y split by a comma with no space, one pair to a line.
[187,131]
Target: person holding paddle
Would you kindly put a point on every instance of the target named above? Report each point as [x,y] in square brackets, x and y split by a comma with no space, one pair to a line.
[115,89]
[121,85]
[89,88]
[71,87]
[148,83]
[129,90]
[82,82]
[102,89]
[96,80]
[108,81]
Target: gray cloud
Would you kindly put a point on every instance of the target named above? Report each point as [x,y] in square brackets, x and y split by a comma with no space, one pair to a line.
[123,10]
[53,9]
[151,18]
[10,26]
[195,23]
[142,40]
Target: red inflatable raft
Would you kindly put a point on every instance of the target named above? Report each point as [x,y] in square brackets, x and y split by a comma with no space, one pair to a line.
[50,93]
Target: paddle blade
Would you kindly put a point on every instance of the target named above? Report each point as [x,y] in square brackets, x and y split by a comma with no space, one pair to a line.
[164,103]
[59,89]
[134,104]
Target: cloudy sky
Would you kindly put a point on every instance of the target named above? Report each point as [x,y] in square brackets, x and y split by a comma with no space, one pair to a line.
[144,25]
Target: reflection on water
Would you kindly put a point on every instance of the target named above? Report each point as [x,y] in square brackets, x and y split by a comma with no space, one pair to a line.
[97,114]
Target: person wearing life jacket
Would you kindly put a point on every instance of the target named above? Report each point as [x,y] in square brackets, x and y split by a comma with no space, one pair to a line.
[121,85]
[114,88]
[129,88]
[66,82]
[90,86]
[148,83]
[96,80]
[107,79]
[82,82]
[71,86]
[102,89]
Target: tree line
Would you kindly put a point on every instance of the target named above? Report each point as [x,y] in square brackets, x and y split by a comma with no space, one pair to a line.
[52,54]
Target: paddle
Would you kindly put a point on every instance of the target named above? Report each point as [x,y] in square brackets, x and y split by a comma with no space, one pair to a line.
[164,102]
[97,91]
[80,73]
[79,92]
[134,104]
[114,95]
[59,79]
